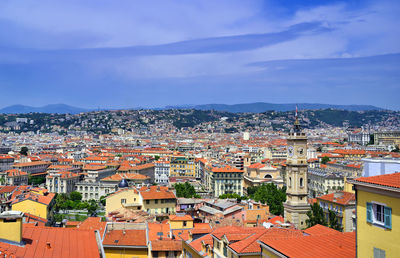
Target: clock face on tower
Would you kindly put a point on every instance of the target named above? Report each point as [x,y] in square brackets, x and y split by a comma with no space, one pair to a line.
[301,151]
[290,151]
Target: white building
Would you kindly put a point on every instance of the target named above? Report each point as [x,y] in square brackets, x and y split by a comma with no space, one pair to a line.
[61,181]
[161,172]
[379,166]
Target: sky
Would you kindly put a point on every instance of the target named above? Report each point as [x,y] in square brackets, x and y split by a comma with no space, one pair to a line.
[128,53]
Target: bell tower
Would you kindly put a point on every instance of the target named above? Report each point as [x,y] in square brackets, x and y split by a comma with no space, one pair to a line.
[296,205]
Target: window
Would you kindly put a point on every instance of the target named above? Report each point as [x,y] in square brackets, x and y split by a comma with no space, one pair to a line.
[123,201]
[379,253]
[155,201]
[184,224]
[147,201]
[290,182]
[379,214]
[301,182]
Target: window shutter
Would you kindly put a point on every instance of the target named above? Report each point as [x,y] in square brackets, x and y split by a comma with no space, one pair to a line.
[369,212]
[388,217]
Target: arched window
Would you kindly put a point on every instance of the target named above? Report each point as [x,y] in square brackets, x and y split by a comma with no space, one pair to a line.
[290,182]
[301,182]
[267,176]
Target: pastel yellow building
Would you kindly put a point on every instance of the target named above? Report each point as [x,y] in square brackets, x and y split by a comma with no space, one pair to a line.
[343,205]
[378,215]
[11,226]
[125,198]
[35,204]
[182,166]
[181,221]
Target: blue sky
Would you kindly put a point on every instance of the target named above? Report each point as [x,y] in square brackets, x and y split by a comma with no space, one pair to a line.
[116,54]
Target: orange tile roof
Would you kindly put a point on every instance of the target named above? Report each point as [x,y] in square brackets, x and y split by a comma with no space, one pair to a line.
[130,176]
[156,192]
[16,172]
[44,199]
[131,237]
[342,197]
[155,228]
[329,245]
[390,180]
[320,230]
[166,245]
[54,242]
[227,169]
[93,223]
[180,218]
[35,163]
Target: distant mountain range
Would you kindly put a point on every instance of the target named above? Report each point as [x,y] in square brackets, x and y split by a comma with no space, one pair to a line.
[257,107]
[52,108]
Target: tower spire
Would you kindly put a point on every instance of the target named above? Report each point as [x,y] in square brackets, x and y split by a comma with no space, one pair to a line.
[296,126]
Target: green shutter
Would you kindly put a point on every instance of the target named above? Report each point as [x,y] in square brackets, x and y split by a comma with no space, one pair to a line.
[388,217]
[369,212]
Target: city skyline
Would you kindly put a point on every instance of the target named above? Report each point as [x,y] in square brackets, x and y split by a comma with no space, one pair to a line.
[132,54]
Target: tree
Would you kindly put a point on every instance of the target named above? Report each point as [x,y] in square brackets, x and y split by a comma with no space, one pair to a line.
[333,221]
[92,208]
[316,216]
[325,160]
[396,149]
[185,190]
[156,157]
[271,195]
[75,196]
[24,151]
[35,180]
[61,200]
[103,200]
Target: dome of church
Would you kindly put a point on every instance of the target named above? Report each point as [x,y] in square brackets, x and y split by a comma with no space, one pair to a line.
[123,183]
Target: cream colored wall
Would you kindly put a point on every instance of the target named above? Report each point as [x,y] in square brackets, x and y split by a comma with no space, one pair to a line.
[113,202]
[159,207]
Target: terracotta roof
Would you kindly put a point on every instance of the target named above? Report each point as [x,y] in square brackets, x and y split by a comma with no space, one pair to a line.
[166,245]
[156,192]
[44,199]
[130,176]
[131,237]
[7,188]
[227,169]
[276,220]
[342,197]
[54,242]
[156,228]
[35,163]
[329,245]
[180,218]
[390,180]
[93,223]
[320,230]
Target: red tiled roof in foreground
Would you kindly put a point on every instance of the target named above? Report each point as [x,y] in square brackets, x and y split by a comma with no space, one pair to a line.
[320,230]
[390,180]
[54,242]
[328,245]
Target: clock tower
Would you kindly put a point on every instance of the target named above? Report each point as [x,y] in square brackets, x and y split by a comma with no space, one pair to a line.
[296,205]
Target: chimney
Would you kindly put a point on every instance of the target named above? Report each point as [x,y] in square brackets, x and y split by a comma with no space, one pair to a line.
[48,246]
[11,226]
